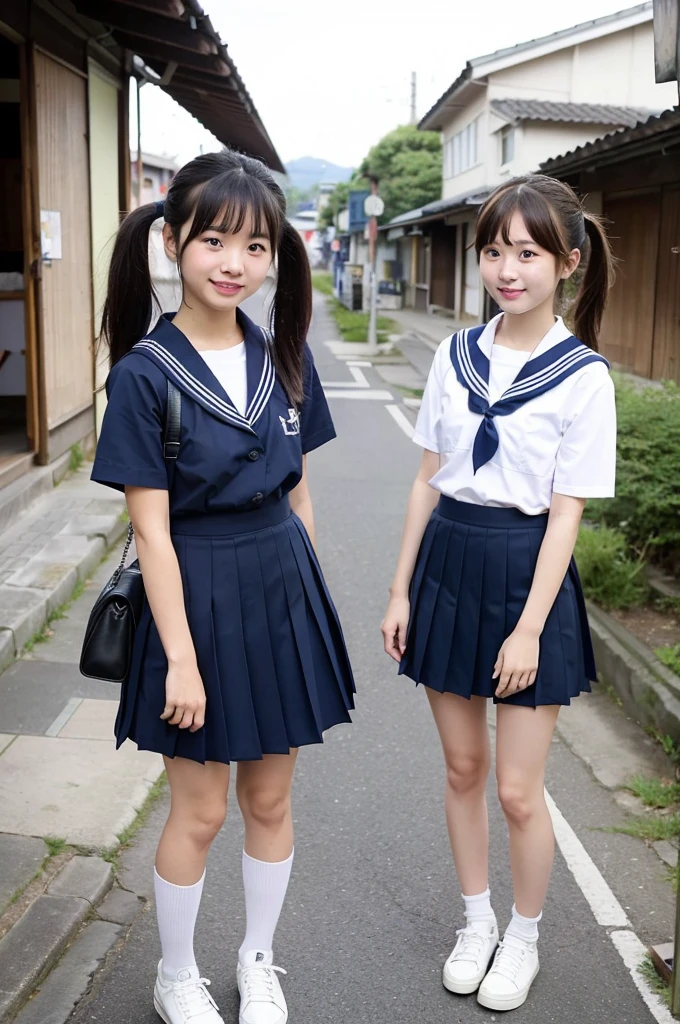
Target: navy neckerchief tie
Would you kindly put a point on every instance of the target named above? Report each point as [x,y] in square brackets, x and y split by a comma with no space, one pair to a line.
[535,378]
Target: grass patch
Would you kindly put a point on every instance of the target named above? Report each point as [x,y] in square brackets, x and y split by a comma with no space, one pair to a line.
[54,845]
[657,793]
[322,282]
[410,392]
[61,612]
[670,656]
[654,979]
[128,834]
[76,458]
[651,828]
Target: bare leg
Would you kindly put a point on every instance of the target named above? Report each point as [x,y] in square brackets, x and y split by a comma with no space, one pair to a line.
[465,740]
[523,738]
[263,791]
[198,806]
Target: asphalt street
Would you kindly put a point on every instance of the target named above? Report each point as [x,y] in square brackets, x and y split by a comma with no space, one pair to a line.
[373,904]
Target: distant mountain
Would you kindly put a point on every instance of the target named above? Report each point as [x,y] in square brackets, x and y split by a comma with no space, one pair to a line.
[309,170]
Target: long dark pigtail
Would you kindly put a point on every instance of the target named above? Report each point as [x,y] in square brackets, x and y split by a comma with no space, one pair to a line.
[591,300]
[129,295]
[292,311]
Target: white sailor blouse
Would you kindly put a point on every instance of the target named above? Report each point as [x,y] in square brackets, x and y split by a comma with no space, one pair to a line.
[227,460]
[511,428]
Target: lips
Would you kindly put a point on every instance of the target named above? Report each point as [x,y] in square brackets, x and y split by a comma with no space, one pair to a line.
[511,293]
[226,287]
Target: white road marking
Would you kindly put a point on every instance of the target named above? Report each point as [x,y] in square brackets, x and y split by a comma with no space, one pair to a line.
[400,419]
[62,718]
[376,396]
[606,909]
[358,382]
[632,951]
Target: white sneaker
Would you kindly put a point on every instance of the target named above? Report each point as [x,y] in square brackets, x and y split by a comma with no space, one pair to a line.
[262,1001]
[186,1000]
[465,969]
[507,984]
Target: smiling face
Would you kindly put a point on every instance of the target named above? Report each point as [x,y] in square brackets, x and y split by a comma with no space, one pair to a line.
[220,268]
[518,273]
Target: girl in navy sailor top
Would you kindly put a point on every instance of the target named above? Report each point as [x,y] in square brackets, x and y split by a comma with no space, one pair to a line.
[518,429]
[239,655]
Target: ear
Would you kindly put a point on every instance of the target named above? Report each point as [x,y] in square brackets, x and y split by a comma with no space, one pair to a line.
[169,243]
[572,262]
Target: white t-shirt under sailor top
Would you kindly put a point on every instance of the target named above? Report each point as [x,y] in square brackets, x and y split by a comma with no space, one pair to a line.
[563,441]
[228,365]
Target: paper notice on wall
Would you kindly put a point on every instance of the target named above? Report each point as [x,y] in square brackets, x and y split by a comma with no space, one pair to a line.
[50,234]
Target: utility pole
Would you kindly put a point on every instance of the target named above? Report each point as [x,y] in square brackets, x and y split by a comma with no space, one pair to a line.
[373,208]
[414,114]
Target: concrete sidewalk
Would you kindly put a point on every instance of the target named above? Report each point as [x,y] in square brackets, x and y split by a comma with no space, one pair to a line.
[66,794]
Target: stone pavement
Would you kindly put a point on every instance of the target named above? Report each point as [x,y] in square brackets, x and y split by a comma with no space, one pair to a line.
[66,794]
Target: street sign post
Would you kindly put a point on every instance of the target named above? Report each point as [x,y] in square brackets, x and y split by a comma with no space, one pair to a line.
[373,208]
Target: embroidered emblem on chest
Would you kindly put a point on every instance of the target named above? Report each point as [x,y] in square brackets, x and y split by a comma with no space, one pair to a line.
[291,426]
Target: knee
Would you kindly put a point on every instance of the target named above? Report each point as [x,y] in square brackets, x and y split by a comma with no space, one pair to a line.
[267,808]
[466,773]
[205,821]
[519,804]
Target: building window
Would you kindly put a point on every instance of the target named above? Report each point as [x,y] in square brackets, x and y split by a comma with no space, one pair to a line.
[507,144]
[461,151]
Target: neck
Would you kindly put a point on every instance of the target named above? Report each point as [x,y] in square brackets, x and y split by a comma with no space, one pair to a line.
[524,331]
[206,328]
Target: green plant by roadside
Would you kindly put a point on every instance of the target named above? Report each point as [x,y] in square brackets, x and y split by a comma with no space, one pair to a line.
[610,577]
[127,835]
[352,326]
[55,845]
[670,656]
[654,979]
[76,458]
[323,282]
[646,508]
[657,793]
[652,828]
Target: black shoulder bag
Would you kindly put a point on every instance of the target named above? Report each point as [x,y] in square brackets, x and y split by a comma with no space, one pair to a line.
[110,632]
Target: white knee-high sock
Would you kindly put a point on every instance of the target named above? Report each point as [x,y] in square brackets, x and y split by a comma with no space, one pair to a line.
[264,885]
[177,910]
[525,928]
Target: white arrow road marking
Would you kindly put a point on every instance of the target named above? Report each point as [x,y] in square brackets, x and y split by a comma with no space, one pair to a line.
[358,382]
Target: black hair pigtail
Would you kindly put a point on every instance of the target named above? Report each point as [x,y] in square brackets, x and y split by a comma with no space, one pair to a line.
[292,311]
[591,300]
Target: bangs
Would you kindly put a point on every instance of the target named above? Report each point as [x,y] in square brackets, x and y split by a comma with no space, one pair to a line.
[231,200]
[537,214]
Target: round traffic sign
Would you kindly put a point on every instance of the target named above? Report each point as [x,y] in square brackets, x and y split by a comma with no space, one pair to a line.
[373,206]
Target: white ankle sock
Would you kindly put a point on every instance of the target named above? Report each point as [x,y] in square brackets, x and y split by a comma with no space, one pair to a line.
[177,910]
[525,928]
[264,885]
[478,908]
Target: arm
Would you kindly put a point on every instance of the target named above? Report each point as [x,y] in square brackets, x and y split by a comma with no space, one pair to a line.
[421,504]
[301,503]
[517,661]
[184,692]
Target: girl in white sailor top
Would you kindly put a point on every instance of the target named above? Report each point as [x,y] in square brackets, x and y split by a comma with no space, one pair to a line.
[239,655]
[518,429]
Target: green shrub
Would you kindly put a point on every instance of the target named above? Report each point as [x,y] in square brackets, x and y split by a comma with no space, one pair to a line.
[610,577]
[646,508]
[670,656]
[323,282]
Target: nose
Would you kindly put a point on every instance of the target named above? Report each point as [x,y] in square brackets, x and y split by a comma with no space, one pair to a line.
[232,261]
[508,269]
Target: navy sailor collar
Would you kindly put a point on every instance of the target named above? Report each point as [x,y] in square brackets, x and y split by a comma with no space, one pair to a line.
[174,354]
[555,358]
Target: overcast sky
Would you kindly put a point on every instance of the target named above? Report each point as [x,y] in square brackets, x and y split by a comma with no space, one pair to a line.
[328,80]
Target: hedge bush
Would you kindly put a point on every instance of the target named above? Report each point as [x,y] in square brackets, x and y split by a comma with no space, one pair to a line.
[646,509]
[609,576]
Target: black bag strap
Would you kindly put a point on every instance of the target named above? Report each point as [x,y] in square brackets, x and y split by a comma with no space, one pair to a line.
[171,435]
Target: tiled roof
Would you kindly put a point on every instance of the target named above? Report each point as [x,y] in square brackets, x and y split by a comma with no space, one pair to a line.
[575,113]
[530,44]
[473,197]
[665,125]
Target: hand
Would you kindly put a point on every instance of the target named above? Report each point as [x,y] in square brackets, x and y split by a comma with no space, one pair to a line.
[184,697]
[394,626]
[517,662]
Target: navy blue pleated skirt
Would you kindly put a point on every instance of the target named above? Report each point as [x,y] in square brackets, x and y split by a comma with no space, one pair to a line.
[471,581]
[268,641]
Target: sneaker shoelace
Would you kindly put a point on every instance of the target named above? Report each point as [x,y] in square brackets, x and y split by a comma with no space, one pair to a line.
[509,960]
[193,997]
[471,946]
[258,983]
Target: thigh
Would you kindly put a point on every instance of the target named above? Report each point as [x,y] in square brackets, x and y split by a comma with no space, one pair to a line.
[523,738]
[273,774]
[462,726]
[194,786]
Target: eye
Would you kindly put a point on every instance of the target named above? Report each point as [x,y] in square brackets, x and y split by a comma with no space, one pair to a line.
[209,242]
[491,252]
[527,252]
[256,246]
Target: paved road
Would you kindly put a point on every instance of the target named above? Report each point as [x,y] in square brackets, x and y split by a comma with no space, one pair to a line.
[373,904]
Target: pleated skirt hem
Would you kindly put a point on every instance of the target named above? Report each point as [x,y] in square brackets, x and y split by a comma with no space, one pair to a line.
[269,645]
[472,577]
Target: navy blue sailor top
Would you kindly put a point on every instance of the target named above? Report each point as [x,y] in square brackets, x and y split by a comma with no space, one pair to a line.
[227,461]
